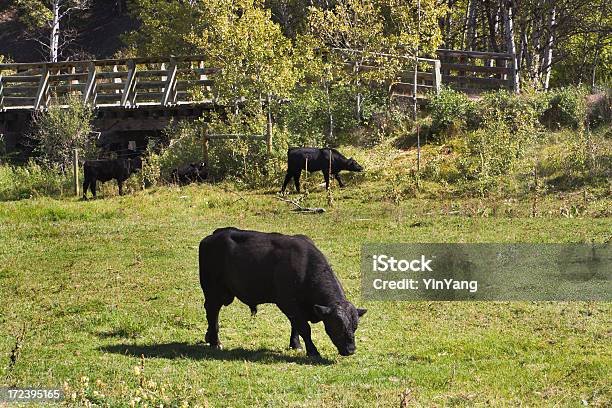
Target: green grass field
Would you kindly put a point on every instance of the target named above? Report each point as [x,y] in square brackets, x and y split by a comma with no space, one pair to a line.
[86,288]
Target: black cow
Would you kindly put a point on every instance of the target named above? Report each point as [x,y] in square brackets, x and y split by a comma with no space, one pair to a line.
[189,173]
[289,271]
[315,159]
[107,169]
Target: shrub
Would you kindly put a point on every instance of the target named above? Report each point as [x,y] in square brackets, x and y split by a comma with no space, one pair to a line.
[452,112]
[243,160]
[185,146]
[58,131]
[519,112]
[567,108]
[32,180]
[150,174]
[305,117]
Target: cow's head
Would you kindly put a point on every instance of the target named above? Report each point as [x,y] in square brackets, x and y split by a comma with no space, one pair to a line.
[340,322]
[352,165]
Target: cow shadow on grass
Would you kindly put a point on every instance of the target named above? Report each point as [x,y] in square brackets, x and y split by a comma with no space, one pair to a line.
[178,350]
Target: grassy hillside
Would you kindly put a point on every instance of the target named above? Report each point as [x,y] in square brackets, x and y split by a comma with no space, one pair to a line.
[89,287]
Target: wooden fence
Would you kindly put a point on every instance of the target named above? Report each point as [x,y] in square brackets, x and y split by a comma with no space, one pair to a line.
[111,82]
[428,80]
[473,72]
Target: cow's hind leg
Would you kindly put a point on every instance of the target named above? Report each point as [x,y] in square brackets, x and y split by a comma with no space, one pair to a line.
[120,184]
[86,183]
[296,179]
[92,186]
[294,341]
[212,315]
[288,177]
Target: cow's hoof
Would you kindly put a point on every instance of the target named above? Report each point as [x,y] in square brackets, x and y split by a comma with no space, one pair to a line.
[217,346]
[314,355]
[295,347]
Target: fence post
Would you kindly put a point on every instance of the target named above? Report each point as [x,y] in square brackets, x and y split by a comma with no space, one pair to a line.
[75,171]
[205,149]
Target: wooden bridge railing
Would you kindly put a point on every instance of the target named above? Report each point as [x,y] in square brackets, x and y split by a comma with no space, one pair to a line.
[111,82]
[402,83]
[475,71]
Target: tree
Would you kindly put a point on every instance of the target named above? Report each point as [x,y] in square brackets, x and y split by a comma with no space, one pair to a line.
[45,19]
[237,36]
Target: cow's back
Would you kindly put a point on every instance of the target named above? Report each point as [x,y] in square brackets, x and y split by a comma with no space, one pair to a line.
[105,170]
[298,156]
[259,267]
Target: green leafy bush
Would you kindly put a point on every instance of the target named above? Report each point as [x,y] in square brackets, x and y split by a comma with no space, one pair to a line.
[186,146]
[150,174]
[452,113]
[33,180]
[567,108]
[520,112]
[59,130]
[305,117]
[242,159]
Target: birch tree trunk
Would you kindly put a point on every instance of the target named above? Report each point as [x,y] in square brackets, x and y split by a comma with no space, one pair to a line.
[55,32]
[548,50]
[510,47]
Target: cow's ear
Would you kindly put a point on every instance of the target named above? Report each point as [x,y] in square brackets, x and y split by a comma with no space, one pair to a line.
[322,311]
[361,312]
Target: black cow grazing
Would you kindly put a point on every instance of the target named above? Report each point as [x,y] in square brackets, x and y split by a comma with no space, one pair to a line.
[107,169]
[190,173]
[315,159]
[290,271]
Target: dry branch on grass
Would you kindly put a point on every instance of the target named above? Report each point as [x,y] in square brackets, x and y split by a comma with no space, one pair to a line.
[300,208]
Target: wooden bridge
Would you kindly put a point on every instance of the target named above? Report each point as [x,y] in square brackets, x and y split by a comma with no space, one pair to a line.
[134,96]
[126,83]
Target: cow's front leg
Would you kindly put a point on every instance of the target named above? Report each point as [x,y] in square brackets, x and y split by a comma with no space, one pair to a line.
[120,183]
[303,328]
[212,315]
[92,187]
[294,340]
[326,176]
[337,177]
